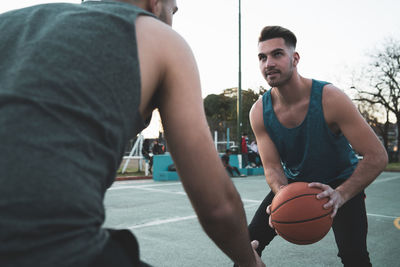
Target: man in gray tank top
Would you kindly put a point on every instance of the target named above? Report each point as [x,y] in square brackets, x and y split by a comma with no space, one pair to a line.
[77,82]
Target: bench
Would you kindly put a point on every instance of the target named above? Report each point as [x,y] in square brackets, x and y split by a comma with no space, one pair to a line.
[160,168]
[161,163]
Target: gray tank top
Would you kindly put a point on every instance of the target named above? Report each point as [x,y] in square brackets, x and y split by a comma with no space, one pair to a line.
[69,98]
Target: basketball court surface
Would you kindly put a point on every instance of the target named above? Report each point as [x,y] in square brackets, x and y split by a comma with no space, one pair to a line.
[169,234]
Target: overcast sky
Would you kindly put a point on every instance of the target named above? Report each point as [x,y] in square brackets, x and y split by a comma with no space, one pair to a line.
[334,37]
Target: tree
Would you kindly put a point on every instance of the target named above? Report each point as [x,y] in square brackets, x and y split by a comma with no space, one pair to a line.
[369,111]
[383,74]
[221,111]
[249,97]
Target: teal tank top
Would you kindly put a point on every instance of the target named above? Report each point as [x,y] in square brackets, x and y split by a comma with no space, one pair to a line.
[69,98]
[310,152]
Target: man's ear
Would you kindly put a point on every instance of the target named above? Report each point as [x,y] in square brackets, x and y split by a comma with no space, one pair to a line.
[154,6]
[296,58]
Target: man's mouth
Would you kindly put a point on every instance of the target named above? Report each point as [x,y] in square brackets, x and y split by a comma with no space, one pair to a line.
[271,72]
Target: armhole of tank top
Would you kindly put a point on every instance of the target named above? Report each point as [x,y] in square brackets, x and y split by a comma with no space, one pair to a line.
[329,131]
[143,122]
[264,104]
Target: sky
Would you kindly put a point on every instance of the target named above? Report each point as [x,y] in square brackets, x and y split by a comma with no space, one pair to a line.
[334,37]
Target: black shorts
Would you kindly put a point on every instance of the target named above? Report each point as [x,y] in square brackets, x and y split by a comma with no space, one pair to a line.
[121,250]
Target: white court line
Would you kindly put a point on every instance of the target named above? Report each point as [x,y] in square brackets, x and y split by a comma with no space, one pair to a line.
[251,200]
[159,222]
[163,191]
[191,217]
[382,216]
[171,220]
[139,186]
[391,174]
[147,188]
[386,179]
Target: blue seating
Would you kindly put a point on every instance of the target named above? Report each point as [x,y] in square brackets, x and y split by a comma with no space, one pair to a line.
[161,163]
[234,161]
[160,168]
[255,171]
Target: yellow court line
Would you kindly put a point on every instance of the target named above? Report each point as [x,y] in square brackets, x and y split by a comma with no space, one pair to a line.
[396,223]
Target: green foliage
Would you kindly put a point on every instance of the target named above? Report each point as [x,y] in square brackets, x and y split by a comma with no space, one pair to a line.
[220,107]
[393,166]
[221,111]
[129,172]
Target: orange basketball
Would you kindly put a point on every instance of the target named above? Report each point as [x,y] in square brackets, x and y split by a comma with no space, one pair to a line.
[298,216]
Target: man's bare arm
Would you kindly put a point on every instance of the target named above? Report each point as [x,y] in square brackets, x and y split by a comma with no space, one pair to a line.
[340,112]
[269,155]
[212,193]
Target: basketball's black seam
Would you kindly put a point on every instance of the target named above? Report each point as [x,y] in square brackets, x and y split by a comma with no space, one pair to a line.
[299,240]
[313,194]
[301,221]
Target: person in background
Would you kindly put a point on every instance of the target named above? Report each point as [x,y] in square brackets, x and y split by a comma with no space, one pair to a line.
[245,150]
[147,154]
[254,156]
[157,148]
[229,168]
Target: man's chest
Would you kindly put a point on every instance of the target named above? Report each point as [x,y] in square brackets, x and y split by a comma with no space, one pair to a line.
[291,116]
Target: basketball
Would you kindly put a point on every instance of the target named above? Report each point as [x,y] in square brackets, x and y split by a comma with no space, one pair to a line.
[298,216]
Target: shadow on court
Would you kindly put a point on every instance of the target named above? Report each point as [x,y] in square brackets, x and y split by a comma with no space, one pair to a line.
[161,217]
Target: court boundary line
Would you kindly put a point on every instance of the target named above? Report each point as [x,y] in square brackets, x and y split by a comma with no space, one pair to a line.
[150,187]
[171,220]
[382,180]
[139,186]
[190,217]
[382,216]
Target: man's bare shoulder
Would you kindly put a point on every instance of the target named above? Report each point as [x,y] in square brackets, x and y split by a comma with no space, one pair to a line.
[256,115]
[331,95]
[336,103]
[164,58]
[157,33]
[332,90]
[256,109]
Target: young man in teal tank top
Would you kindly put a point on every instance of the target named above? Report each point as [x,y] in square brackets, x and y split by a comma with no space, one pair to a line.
[304,129]
[77,82]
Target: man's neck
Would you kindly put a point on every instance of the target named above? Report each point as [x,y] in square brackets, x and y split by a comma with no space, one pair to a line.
[293,91]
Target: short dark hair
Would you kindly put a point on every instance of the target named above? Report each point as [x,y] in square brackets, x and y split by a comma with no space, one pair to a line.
[270,32]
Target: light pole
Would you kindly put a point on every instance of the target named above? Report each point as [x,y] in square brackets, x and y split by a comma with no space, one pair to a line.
[239,91]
